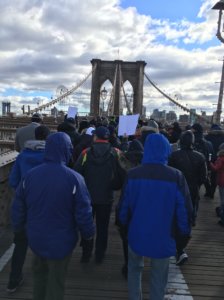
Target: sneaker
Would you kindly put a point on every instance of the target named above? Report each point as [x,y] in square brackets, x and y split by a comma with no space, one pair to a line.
[13,285]
[218,211]
[181,259]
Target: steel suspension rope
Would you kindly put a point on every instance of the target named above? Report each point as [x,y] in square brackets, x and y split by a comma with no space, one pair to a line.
[175,102]
[58,99]
[110,108]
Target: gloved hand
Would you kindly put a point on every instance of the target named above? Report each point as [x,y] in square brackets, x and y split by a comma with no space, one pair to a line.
[87,247]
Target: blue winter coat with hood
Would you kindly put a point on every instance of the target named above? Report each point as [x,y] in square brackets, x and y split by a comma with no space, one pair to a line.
[52,202]
[31,156]
[155,203]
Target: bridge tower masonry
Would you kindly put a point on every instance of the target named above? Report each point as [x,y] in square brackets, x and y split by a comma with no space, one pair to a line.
[117,72]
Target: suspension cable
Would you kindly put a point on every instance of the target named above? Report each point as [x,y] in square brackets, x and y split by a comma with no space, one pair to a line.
[69,92]
[110,108]
[175,102]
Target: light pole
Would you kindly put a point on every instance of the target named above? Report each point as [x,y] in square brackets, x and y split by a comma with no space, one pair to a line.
[103,95]
[220,7]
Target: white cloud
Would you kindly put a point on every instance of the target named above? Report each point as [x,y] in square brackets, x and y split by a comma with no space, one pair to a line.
[48,43]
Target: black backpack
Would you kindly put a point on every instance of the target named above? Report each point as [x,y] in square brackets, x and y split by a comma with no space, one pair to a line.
[202,147]
[118,173]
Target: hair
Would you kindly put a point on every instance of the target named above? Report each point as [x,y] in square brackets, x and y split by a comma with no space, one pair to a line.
[41,132]
[36,118]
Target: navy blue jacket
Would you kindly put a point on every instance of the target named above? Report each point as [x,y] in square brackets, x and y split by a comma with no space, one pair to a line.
[53,203]
[155,203]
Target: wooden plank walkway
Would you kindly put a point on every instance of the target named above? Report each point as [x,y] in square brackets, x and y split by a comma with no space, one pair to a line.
[202,277]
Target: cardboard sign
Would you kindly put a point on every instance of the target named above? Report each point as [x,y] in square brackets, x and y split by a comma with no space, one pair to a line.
[127,125]
[72,112]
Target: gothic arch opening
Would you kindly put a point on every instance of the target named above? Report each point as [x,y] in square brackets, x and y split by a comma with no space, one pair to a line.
[106,90]
[116,72]
[127,98]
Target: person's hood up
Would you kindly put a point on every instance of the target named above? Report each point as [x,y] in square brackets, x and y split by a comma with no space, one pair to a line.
[220,152]
[156,149]
[66,127]
[100,152]
[35,144]
[58,148]
[187,140]
[216,127]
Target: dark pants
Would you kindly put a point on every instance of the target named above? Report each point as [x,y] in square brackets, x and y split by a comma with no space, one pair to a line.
[49,278]
[181,243]
[213,182]
[102,214]
[18,257]
[210,184]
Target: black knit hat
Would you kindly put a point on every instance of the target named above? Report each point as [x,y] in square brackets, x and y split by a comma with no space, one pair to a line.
[37,118]
[197,127]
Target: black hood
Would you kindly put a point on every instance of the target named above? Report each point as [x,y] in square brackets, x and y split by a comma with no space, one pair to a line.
[187,140]
[100,152]
[66,127]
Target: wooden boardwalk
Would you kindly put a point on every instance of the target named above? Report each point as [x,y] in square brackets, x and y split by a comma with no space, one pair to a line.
[202,277]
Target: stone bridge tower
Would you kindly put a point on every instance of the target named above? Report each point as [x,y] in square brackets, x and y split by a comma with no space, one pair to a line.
[107,70]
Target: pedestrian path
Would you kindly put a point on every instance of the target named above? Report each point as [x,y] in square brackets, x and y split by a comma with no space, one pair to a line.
[200,278]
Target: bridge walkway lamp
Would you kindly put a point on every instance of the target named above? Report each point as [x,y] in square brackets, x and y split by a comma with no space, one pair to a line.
[219,6]
[103,95]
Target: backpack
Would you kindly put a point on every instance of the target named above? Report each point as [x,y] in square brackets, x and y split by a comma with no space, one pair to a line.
[118,173]
[202,147]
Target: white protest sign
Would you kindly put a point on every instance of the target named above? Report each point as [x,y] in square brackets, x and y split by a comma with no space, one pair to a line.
[127,125]
[72,111]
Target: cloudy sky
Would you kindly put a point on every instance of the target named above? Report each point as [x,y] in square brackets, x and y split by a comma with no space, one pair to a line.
[46,44]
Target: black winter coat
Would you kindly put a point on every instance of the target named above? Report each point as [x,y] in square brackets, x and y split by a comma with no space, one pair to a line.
[96,165]
[193,165]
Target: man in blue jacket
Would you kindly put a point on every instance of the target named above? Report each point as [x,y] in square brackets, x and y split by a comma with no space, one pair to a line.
[31,156]
[53,204]
[156,207]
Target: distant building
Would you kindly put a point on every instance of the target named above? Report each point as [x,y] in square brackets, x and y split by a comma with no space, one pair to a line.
[192,116]
[6,108]
[184,118]
[143,110]
[54,112]
[163,116]
[171,116]
[159,115]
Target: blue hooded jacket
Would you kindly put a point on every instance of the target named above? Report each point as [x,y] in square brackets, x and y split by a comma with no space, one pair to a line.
[155,203]
[53,203]
[31,156]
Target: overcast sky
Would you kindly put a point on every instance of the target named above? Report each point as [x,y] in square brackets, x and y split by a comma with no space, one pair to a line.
[45,44]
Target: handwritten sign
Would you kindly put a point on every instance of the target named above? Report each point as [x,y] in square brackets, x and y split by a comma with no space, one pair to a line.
[127,125]
[72,111]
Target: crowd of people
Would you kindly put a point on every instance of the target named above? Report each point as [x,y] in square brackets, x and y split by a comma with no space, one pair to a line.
[64,188]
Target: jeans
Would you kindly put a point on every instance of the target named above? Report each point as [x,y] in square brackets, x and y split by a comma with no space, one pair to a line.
[49,278]
[158,276]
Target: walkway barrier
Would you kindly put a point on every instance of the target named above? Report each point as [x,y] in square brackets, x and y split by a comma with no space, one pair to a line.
[6,193]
